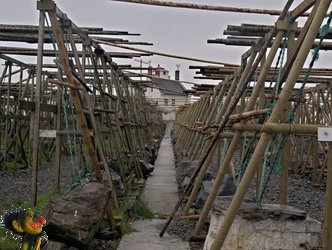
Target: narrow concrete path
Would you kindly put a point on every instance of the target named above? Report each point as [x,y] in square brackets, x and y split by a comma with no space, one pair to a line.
[160,193]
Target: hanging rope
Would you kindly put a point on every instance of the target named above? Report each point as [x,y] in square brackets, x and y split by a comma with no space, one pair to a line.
[251,146]
[76,178]
[77,174]
[275,166]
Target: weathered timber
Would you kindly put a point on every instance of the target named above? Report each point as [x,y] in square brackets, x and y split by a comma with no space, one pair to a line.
[205,7]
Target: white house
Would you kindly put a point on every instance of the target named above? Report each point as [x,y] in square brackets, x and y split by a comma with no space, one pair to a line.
[168,94]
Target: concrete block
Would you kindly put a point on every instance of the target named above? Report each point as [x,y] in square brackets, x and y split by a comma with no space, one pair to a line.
[279,232]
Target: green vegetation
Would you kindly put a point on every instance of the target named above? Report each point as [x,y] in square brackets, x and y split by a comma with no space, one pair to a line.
[13,165]
[141,210]
[126,227]
[7,242]
[131,210]
[161,216]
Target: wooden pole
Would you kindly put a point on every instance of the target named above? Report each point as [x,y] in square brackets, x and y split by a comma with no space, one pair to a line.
[98,138]
[241,88]
[193,143]
[205,166]
[163,54]
[75,95]
[286,152]
[35,143]
[204,7]
[7,121]
[327,227]
[77,102]
[235,140]
[223,229]
[58,140]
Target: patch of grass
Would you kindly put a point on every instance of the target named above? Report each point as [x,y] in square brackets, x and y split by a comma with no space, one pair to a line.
[13,165]
[43,199]
[141,210]
[161,216]
[126,227]
[131,210]
[104,225]
[7,242]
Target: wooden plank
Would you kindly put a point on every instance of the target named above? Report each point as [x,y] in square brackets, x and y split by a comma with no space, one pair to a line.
[27,105]
[47,133]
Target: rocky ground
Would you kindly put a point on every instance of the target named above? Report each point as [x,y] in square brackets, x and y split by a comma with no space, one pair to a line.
[302,195]
[16,185]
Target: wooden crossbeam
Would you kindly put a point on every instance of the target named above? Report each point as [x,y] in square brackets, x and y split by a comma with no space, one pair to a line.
[205,7]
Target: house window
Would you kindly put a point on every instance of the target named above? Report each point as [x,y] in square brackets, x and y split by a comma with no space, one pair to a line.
[151,89]
[173,102]
[166,102]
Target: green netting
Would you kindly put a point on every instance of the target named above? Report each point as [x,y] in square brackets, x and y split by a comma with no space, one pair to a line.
[275,165]
[67,104]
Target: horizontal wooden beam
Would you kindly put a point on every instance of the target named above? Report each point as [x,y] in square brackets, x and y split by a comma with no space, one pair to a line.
[33,29]
[26,105]
[163,54]
[205,7]
[51,53]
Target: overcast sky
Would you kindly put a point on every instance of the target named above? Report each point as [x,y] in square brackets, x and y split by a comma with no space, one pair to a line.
[176,31]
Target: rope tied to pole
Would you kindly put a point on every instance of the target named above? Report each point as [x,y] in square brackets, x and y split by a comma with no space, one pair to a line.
[66,101]
[270,105]
[275,166]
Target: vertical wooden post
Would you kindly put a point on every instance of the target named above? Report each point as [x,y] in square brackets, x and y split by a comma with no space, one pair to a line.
[113,139]
[51,9]
[205,166]
[76,99]
[201,118]
[285,162]
[58,140]
[216,99]
[189,134]
[199,179]
[236,138]
[327,227]
[18,120]
[35,143]
[8,121]
[98,137]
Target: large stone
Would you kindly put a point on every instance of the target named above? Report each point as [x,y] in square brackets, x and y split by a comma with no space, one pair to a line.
[54,245]
[185,169]
[146,167]
[227,188]
[266,226]
[75,219]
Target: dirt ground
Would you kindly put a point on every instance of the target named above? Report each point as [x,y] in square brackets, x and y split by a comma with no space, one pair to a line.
[302,195]
[16,185]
